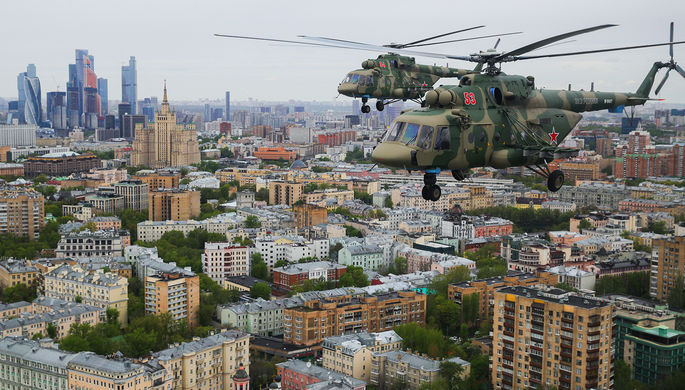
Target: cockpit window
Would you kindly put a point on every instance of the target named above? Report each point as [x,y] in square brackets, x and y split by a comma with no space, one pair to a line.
[442,141]
[362,80]
[395,131]
[426,137]
[354,78]
[410,133]
[347,78]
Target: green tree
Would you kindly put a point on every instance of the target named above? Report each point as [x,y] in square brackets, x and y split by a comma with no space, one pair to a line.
[52,331]
[363,196]
[280,263]
[262,195]
[351,231]
[656,227]
[78,299]
[452,373]
[112,315]
[565,287]
[261,290]
[454,275]
[19,292]
[584,224]
[676,296]
[226,153]
[252,222]
[37,336]
[258,267]
[141,342]
[353,277]
[400,265]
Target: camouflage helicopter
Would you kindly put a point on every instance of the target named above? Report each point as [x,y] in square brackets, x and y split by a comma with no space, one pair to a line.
[391,77]
[499,120]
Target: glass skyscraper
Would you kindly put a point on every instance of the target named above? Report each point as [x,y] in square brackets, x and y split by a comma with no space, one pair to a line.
[28,86]
[82,108]
[102,92]
[129,84]
[227,111]
[57,109]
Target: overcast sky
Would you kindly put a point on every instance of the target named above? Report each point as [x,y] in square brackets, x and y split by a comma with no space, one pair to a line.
[173,40]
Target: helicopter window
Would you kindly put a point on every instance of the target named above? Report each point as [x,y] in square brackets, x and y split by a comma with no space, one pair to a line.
[496,94]
[362,80]
[426,137]
[442,141]
[482,137]
[471,137]
[395,131]
[410,133]
[354,78]
[497,136]
[369,81]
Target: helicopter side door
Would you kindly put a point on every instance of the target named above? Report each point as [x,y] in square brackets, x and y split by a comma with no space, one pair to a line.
[478,144]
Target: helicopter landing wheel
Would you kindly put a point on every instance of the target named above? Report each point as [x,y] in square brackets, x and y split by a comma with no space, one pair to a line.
[425,193]
[555,180]
[365,99]
[458,174]
[431,192]
[429,179]
[380,105]
[366,109]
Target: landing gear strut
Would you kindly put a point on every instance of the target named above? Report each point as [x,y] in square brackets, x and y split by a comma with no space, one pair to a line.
[555,179]
[430,191]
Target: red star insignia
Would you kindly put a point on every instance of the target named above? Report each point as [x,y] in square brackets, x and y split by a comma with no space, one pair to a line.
[553,135]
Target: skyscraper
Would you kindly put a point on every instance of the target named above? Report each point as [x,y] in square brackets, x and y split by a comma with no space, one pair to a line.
[129,84]
[57,109]
[227,111]
[124,109]
[102,92]
[30,108]
[165,143]
[82,108]
[208,113]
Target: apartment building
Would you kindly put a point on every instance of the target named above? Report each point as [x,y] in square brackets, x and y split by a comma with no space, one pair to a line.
[293,274]
[290,248]
[97,288]
[668,262]
[264,318]
[80,211]
[88,371]
[106,223]
[62,315]
[157,180]
[28,364]
[105,202]
[299,375]
[60,164]
[307,215]
[207,363]
[352,354]
[485,288]
[172,204]
[22,212]
[369,257]
[14,309]
[175,293]
[317,197]
[13,272]
[154,230]
[320,318]
[282,192]
[91,244]
[224,259]
[550,337]
[135,193]
[654,352]
[413,370]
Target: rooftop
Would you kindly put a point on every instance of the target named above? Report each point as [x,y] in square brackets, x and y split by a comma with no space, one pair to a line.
[555,295]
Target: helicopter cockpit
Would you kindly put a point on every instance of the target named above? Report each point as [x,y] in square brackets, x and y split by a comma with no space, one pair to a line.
[359,79]
[423,136]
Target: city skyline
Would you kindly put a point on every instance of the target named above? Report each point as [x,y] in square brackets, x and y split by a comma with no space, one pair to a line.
[204,66]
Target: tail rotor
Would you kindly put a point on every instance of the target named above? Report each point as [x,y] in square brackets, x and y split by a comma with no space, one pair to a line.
[671,64]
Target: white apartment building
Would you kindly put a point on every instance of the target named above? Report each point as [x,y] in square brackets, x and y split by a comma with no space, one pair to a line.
[223,259]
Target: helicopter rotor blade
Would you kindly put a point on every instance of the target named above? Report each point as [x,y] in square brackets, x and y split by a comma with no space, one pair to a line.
[547,41]
[383,49]
[271,40]
[680,70]
[465,39]
[497,43]
[663,81]
[574,53]
[670,48]
[400,46]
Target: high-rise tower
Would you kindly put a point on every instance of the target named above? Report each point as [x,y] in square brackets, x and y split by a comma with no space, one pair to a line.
[102,92]
[129,84]
[28,86]
[227,111]
[83,102]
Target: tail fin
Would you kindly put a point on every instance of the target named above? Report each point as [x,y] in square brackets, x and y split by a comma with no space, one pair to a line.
[648,82]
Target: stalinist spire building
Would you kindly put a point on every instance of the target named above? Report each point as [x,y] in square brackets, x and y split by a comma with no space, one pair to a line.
[166,143]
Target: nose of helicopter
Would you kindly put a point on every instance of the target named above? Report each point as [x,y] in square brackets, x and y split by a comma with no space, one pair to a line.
[347,89]
[392,154]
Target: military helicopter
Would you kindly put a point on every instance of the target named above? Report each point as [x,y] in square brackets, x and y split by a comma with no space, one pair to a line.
[499,120]
[391,77]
